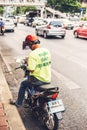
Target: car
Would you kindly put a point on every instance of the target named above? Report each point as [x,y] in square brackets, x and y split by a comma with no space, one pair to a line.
[13,18]
[29,21]
[79,24]
[74,19]
[68,24]
[2,18]
[9,25]
[51,27]
[38,21]
[21,19]
[80,31]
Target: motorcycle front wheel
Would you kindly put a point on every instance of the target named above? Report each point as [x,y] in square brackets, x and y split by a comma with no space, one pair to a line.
[52,123]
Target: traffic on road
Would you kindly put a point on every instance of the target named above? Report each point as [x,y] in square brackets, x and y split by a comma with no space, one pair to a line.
[69,72]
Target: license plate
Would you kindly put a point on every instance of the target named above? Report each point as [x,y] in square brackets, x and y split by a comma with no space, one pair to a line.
[56,106]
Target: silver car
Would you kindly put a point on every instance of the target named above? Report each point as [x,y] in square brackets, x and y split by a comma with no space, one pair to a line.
[9,25]
[51,27]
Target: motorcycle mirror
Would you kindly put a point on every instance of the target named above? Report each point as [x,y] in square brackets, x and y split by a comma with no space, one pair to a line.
[19,59]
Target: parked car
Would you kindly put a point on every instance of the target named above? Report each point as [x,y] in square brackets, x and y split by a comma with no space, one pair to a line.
[51,27]
[81,31]
[9,25]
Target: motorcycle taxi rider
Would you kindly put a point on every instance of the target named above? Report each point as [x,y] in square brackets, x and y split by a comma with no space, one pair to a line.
[39,66]
[1,24]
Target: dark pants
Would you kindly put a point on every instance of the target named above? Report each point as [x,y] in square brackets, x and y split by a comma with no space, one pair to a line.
[31,82]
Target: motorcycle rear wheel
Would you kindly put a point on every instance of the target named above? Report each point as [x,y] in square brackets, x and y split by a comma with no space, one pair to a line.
[2,32]
[52,123]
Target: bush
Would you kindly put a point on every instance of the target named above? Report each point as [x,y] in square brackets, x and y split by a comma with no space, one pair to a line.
[84,18]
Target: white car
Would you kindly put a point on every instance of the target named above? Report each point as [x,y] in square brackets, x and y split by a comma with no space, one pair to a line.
[9,25]
[51,27]
[2,18]
[68,24]
[21,19]
[38,21]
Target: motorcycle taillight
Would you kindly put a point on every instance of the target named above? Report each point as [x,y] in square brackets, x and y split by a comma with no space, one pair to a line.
[54,96]
[3,28]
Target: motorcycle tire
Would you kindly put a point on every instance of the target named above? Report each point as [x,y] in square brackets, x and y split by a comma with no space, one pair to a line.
[52,123]
[2,33]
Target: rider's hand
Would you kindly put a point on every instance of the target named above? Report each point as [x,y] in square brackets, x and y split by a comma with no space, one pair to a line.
[26,60]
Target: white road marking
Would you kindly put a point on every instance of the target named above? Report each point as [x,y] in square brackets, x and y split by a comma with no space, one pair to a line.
[67,82]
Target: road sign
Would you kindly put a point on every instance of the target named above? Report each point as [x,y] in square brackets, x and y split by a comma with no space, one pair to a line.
[83,9]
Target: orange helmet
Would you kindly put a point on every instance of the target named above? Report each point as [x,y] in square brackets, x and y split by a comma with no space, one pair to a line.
[32,39]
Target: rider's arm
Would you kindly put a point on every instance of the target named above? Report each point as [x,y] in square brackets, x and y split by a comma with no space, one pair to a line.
[27,62]
[31,63]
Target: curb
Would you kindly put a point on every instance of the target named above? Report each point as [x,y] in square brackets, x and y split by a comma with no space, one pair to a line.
[13,118]
[3,119]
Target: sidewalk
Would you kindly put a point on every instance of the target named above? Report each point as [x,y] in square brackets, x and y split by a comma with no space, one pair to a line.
[3,119]
[9,116]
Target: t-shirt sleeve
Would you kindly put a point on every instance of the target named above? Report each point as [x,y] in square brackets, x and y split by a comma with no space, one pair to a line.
[31,62]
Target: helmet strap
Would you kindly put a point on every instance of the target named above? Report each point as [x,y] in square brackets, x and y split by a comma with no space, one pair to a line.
[30,46]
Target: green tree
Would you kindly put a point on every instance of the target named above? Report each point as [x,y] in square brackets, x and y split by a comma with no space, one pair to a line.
[51,3]
[65,5]
[23,9]
[1,9]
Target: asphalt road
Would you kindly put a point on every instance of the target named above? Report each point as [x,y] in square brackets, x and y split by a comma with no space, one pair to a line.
[69,72]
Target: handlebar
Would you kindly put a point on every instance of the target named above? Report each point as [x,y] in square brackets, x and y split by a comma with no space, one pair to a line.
[17,67]
[24,67]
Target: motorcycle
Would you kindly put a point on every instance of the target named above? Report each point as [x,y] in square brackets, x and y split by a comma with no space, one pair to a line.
[44,102]
[2,29]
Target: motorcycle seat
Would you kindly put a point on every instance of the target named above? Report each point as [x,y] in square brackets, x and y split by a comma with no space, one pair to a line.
[47,87]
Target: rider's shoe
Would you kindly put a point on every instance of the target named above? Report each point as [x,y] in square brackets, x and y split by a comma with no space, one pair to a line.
[12,102]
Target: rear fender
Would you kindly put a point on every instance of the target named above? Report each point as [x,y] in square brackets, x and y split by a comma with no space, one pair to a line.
[59,115]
